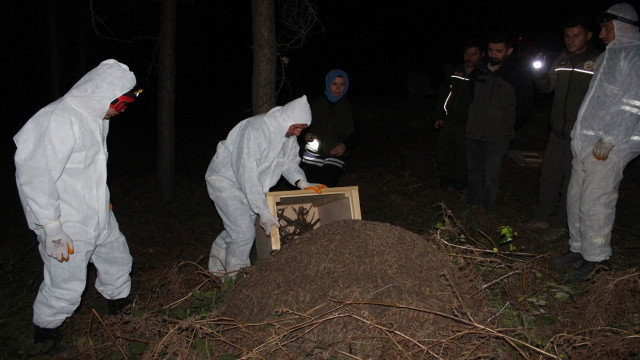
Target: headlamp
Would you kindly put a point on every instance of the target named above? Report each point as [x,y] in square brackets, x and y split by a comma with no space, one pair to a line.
[607,16]
[537,64]
[122,101]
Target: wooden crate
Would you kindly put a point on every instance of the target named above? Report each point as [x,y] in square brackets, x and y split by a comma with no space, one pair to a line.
[333,204]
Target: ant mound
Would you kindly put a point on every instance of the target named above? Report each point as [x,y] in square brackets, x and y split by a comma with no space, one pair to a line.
[358,288]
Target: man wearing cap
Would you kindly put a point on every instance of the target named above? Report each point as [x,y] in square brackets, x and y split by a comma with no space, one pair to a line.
[256,153]
[605,138]
[61,174]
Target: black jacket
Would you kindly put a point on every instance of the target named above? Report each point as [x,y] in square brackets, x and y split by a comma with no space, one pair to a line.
[455,95]
[502,102]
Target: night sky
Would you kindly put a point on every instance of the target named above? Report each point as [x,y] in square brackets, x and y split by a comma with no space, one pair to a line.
[377,43]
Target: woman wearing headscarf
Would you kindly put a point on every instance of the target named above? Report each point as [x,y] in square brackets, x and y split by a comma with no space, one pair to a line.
[332,135]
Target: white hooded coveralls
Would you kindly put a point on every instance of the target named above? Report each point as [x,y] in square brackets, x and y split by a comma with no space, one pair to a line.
[246,165]
[611,111]
[61,173]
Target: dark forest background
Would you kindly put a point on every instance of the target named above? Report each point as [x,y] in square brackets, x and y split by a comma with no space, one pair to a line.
[399,49]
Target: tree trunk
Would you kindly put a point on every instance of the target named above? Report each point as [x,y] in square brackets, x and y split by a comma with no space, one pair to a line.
[54,58]
[166,100]
[263,92]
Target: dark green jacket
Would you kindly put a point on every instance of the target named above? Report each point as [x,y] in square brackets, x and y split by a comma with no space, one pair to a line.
[332,124]
[502,101]
[568,77]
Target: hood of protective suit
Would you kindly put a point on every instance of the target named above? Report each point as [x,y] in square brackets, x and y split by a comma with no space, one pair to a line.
[93,93]
[610,109]
[61,155]
[280,118]
[256,154]
[626,34]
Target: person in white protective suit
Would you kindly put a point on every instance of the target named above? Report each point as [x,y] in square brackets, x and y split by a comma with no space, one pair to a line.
[605,138]
[256,153]
[61,175]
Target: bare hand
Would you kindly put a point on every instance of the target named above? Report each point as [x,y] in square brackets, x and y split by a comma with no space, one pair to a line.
[601,150]
[337,150]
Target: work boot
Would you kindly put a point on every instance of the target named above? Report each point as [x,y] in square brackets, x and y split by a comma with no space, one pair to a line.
[51,340]
[565,260]
[116,306]
[589,269]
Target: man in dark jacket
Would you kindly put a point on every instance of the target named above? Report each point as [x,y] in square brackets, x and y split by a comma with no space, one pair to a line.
[450,114]
[568,77]
[503,97]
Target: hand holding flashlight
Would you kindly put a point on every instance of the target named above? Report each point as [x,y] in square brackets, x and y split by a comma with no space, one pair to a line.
[539,62]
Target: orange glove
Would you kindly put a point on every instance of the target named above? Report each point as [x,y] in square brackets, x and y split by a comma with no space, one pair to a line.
[304,185]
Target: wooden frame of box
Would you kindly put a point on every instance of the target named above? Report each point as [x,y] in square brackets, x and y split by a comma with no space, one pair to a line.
[333,204]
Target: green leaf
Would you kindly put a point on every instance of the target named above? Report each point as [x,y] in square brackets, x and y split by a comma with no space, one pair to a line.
[200,295]
[507,232]
[199,304]
[116,355]
[182,314]
[560,288]
[562,296]
[138,348]
[537,301]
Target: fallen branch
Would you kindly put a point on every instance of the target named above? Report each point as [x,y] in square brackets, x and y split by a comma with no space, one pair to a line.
[95,313]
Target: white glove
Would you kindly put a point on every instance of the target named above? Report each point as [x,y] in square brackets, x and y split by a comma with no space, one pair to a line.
[304,185]
[57,244]
[601,149]
[267,221]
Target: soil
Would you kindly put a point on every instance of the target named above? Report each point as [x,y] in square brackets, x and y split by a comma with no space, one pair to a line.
[417,278]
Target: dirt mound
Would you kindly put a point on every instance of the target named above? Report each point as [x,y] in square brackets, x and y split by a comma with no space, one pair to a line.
[366,289]
[348,260]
